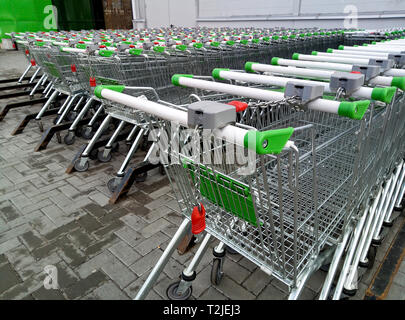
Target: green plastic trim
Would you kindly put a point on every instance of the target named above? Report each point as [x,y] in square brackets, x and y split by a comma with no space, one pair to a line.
[383,94]
[217,71]
[107,44]
[353,110]
[398,82]
[214,44]
[356,45]
[274,61]
[176,78]
[98,89]
[314,53]
[374,42]
[40,44]
[295,56]
[284,37]
[255,40]
[159,49]
[244,42]
[330,50]
[181,47]
[341,47]
[81,46]
[230,43]
[248,66]
[266,142]
[266,39]
[135,51]
[275,37]
[365,44]
[106,53]
[197,45]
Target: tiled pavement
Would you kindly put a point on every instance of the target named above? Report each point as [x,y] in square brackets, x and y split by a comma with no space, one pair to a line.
[102,251]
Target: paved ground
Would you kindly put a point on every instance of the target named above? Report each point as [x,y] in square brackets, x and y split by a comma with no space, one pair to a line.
[104,251]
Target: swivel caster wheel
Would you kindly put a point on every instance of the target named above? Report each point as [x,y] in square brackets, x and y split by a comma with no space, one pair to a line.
[172,293]
[371,254]
[81,166]
[87,133]
[216,272]
[93,154]
[112,184]
[350,292]
[69,139]
[141,177]
[102,157]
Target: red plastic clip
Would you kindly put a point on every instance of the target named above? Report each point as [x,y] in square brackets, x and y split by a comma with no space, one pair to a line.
[33,62]
[13,45]
[102,46]
[131,46]
[92,81]
[239,105]
[198,219]
[27,52]
[73,68]
[355,72]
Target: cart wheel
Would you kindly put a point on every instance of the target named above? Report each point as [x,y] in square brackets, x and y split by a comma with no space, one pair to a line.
[172,294]
[87,133]
[141,177]
[115,147]
[72,115]
[69,139]
[112,184]
[349,293]
[216,272]
[102,158]
[81,167]
[371,254]
[93,154]
[230,250]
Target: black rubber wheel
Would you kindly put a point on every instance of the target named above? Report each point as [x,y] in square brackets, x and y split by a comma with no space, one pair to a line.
[102,158]
[81,168]
[87,133]
[230,250]
[72,115]
[172,294]
[216,272]
[349,293]
[69,139]
[371,254]
[93,154]
[141,177]
[112,184]
[115,147]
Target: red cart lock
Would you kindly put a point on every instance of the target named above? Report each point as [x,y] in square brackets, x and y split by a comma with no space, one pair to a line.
[33,62]
[198,219]
[73,67]
[92,81]
[239,105]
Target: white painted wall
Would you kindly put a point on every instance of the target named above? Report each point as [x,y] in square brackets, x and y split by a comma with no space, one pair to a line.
[373,14]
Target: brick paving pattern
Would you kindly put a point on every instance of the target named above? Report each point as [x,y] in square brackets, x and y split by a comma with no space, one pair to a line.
[102,251]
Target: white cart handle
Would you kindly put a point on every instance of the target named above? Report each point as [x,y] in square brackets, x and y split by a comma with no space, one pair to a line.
[380,94]
[262,142]
[353,110]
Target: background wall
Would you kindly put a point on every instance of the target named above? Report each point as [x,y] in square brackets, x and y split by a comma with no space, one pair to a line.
[372,14]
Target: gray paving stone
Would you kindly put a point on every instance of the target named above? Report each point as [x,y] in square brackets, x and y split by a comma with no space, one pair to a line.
[257,281]
[9,278]
[202,282]
[396,292]
[134,221]
[118,272]
[31,239]
[129,235]
[154,227]
[9,244]
[80,238]
[271,293]
[316,281]
[19,257]
[212,294]
[108,229]
[233,290]
[89,223]
[38,267]
[66,276]
[146,263]
[307,294]
[99,198]
[82,287]
[151,243]
[48,294]
[124,253]
[132,289]
[109,291]
[100,245]
[23,289]
[235,271]
[94,264]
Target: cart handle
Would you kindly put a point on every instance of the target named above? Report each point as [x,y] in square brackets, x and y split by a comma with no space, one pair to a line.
[354,110]
[262,142]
